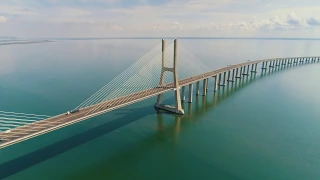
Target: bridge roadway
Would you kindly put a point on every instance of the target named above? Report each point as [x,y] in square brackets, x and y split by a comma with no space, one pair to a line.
[40,127]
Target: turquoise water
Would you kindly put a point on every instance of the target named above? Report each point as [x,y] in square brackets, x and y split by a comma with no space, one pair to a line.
[263,127]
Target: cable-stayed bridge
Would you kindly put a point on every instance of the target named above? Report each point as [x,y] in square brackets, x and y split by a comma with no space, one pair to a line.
[152,75]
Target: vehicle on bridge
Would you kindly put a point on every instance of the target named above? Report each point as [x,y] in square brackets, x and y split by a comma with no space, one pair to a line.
[72,111]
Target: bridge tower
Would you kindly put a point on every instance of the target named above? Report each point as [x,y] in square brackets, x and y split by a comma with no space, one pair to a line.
[178,108]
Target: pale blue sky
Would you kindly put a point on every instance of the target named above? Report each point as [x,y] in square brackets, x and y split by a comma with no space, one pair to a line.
[102,18]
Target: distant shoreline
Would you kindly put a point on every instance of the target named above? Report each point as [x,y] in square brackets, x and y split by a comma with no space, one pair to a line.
[208,38]
[28,42]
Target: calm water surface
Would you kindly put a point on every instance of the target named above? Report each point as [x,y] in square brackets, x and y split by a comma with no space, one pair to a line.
[263,127]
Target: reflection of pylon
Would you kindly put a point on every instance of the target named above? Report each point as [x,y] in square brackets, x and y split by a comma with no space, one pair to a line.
[178,109]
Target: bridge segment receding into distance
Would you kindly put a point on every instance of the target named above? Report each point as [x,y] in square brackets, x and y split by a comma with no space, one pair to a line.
[221,77]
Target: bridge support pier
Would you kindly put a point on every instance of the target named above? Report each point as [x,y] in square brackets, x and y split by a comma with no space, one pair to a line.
[244,71]
[190,92]
[237,73]
[197,88]
[270,64]
[284,62]
[224,79]
[253,71]
[233,75]
[264,65]
[178,107]
[216,83]
[204,88]
[183,91]
[240,74]
[232,79]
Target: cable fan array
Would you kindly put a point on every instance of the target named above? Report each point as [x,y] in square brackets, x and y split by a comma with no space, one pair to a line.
[10,120]
[145,74]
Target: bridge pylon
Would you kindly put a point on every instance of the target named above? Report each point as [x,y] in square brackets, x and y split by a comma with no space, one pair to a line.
[178,107]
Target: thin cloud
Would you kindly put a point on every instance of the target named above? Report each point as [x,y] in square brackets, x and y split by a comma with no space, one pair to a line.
[3,19]
[313,21]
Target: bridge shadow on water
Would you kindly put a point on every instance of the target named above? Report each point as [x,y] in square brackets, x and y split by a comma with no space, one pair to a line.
[28,160]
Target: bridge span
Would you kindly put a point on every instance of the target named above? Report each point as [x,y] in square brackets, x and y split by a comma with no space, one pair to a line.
[221,77]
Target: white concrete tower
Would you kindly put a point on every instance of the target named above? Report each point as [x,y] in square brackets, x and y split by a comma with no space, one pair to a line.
[178,108]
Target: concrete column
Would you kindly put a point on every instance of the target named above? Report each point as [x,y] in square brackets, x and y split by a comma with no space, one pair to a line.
[237,73]
[248,69]
[220,79]
[255,69]
[224,77]
[244,70]
[216,83]
[204,90]
[178,109]
[233,75]
[228,76]
[240,72]
[183,91]
[207,87]
[190,92]
[197,88]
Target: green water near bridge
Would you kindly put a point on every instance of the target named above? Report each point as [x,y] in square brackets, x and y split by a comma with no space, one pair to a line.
[263,127]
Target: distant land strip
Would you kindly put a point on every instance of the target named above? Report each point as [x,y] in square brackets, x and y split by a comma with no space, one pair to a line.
[24,42]
[164,37]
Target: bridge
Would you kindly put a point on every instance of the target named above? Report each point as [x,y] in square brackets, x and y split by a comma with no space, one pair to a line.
[139,82]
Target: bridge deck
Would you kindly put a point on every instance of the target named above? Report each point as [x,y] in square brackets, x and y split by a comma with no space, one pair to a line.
[40,127]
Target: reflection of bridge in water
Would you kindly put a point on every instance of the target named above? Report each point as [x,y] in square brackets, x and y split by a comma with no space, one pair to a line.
[140,82]
[164,131]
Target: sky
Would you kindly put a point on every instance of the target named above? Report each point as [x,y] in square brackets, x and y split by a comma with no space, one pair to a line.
[160,18]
